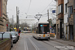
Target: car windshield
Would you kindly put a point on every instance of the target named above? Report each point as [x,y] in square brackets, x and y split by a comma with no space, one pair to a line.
[16,32]
[13,34]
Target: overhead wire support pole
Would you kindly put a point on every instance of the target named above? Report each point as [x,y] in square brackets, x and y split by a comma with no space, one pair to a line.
[38,18]
[49,20]
[17,15]
[13,21]
[48,15]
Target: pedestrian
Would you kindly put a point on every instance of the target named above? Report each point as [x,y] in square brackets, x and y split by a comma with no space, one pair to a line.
[19,32]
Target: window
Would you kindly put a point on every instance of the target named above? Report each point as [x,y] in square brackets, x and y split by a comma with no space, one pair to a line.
[44,28]
[70,10]
[65,8]
[60,9]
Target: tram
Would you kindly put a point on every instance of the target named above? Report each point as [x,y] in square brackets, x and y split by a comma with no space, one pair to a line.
[27,30]
[42,31]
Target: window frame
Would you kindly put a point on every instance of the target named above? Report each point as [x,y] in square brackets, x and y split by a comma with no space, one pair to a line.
[60,9]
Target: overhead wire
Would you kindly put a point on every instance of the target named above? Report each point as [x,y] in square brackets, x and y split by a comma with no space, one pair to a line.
[42,11]
[48,5]
[29,6]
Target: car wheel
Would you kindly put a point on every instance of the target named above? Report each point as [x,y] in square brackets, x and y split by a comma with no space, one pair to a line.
[11,45]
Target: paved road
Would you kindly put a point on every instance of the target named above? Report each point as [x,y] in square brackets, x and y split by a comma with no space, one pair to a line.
[27,42]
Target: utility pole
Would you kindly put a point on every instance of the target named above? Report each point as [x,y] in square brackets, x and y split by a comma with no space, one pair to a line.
[13,22]
[49,20]
[48,14]
[17,15]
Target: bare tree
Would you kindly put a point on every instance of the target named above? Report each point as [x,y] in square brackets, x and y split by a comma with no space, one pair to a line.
[24,25]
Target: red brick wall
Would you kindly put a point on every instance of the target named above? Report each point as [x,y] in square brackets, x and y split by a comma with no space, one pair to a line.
[60,16]
[60,2]
[0,8]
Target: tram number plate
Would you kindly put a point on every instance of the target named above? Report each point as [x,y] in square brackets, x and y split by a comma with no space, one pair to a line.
[44,35]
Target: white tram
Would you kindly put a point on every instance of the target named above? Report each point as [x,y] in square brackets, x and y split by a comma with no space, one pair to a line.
[42,31]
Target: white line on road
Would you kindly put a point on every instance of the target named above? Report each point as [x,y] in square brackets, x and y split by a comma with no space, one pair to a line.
[33,44]
[25,45]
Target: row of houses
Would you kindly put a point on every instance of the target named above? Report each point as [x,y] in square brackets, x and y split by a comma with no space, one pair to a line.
[65,19]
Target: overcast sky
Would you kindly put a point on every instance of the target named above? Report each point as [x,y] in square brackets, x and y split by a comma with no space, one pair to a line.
[36,6]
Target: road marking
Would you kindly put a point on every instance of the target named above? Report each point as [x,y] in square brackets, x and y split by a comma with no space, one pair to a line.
[65,47]
[33,44]
[25,45]
[61,47]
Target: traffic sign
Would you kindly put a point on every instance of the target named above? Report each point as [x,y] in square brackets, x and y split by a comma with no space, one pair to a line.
[50,28]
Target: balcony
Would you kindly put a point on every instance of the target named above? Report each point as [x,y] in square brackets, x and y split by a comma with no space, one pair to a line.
[60,16]
[60,2]
[5,15]
[5,18]
[70,3]
[1,23]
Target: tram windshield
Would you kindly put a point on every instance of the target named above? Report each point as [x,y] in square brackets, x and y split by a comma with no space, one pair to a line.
[44,29]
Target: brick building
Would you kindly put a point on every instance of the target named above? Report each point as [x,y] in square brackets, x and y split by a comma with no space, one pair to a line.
[60,18]
[3,15]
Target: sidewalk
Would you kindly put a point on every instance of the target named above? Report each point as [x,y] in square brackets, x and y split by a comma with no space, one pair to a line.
[63,41]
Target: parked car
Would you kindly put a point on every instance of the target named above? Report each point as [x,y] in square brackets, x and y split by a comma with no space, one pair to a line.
[17,35]
[7,35]
[14,36]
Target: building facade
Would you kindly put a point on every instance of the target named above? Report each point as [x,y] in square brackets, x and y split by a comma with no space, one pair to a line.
[65,23]
[3,15]
[66,27]
[70,19]
[60,19]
